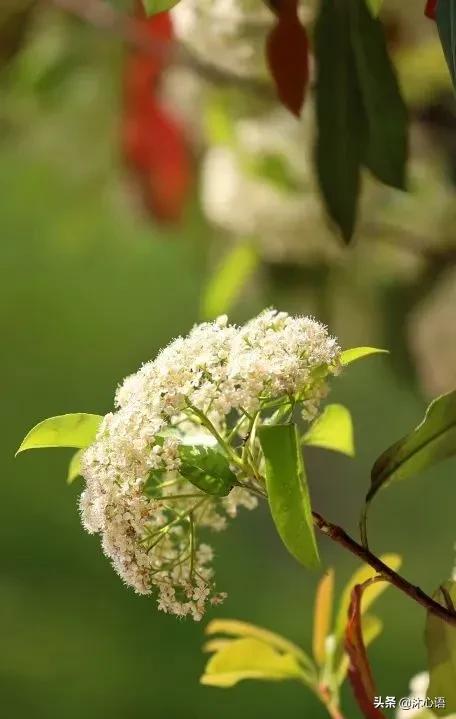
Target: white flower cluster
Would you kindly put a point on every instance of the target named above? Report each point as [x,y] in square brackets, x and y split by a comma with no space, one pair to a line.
[228,34]
[204,390]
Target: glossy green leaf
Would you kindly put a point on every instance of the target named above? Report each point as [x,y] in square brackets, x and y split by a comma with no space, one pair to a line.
[153,7]
[207,468]
[74,468]
[371,593]
[288,494]
[441,649]
[446,24]
[67,430]
[432,441]
[249,659]
[228,281]
[340,116]
[387,118]
[333,429]
[240,630]
[357,353]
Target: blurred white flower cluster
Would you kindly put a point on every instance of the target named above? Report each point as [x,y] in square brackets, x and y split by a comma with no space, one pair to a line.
[226,33]
[207,393]
[258,179]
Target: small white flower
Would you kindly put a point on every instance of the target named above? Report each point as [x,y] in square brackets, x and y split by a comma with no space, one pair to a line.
[202,389]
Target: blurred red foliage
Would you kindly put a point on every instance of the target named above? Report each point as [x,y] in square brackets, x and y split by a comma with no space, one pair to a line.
[153,141]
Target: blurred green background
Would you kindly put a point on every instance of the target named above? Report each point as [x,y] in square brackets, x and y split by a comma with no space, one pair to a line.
[88,292]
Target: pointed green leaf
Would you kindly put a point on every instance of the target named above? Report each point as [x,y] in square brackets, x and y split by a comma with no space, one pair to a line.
[153,7]
[446,24]
[432,441]
[228,281]
[333,429]
[387,117]
[67,430]
[207,468]
[249,659]
[341,119]
[441,648]
[74,468]
[356,353]
[288,494]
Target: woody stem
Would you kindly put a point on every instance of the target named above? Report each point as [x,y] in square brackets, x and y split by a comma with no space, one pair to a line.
[340,536]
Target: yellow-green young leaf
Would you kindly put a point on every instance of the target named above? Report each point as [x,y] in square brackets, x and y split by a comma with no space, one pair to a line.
[214,645]
[288,494]
[441,649]
[238,629]
[217,121]
[228,281]
[432,441]
[333,429]
[370,594]
[74,468]
[322,616]
[372,627]
[153,7]
[249,659]
[67,430]
[356,353]
[374,6]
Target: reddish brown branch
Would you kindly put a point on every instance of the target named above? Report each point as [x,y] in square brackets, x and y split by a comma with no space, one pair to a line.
[340,536]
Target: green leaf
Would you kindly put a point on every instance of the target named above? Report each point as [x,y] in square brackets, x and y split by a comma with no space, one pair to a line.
[356,353]
[446,24]
[387,118]
[432,441]
[333,429]
[228,281]
[288,494]
[74,468]
[374,6]
[249,659]
[153,7]
[341,119]
[441,649]
[371,593]
[240,630]
[207,468]
[67,430]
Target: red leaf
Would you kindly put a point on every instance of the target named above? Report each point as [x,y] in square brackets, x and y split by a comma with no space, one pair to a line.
[431,8]
[359,671]
[287,52]
[153,142]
